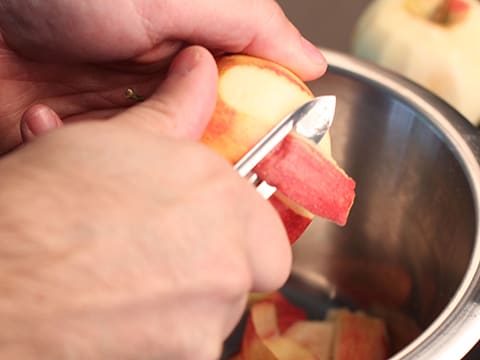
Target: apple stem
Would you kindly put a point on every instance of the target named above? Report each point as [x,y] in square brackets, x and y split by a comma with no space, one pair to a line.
[441,12]
[450,12]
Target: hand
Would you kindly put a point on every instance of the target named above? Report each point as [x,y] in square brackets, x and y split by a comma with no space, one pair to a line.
[123,240]
[124,42]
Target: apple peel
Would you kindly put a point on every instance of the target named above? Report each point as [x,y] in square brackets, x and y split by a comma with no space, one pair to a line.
[254,95]
[304,175]
[295,219]
[279,330]
[358,336]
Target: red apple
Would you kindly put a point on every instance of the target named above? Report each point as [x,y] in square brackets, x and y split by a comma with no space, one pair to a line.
[253,96]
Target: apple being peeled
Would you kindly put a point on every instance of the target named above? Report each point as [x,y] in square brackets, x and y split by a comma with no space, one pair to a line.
[254,95]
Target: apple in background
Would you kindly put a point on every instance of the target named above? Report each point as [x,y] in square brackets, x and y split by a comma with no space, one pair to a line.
[253,96]
[431,42]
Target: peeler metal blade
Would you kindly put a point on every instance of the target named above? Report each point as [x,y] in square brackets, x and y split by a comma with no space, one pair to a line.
[311,120]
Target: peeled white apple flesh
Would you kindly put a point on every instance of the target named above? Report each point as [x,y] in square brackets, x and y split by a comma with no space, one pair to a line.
[443,56]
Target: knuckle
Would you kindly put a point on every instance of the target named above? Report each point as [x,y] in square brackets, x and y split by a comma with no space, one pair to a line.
[157,116]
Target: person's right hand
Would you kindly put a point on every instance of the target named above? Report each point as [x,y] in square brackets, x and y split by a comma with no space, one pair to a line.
[125,239]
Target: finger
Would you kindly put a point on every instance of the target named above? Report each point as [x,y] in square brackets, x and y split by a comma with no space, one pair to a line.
[183,104]
[100,104]
[38,120]
[96,88]
[270,250]
[255,27]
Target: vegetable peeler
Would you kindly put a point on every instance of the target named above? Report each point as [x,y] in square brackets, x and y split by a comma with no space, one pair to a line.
[311,120]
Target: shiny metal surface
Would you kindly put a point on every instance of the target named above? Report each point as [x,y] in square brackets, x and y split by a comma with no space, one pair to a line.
[411,245]
[312,120]
[317,120]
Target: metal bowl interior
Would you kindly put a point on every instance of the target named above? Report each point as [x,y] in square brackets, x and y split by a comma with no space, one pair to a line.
[409,252]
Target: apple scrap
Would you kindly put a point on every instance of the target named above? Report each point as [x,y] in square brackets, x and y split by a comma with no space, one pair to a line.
[278,330]
[253,96]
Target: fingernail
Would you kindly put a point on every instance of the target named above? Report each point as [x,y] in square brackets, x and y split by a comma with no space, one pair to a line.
[185,61]
[312,51]
[42,120]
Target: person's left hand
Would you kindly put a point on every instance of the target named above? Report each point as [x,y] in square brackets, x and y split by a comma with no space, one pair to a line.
[74,91]
[79,58]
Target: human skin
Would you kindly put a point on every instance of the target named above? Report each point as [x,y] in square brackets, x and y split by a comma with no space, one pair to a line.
[78,58]
[126,239]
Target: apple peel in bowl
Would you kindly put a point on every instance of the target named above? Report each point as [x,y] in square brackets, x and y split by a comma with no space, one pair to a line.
[278,330]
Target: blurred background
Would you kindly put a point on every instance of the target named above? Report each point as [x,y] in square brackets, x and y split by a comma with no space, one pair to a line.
[327,23]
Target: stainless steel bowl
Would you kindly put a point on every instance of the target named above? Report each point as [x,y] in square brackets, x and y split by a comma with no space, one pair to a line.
[411,245]
[410,251]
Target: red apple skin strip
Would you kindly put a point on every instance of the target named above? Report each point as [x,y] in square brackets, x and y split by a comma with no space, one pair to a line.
[304,175]
[314,335]
[287,313]
[264,317]
[359,336]
[253,347]
[295,223]
[235,127]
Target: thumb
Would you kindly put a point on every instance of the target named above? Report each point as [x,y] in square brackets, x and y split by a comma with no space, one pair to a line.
[183,104]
